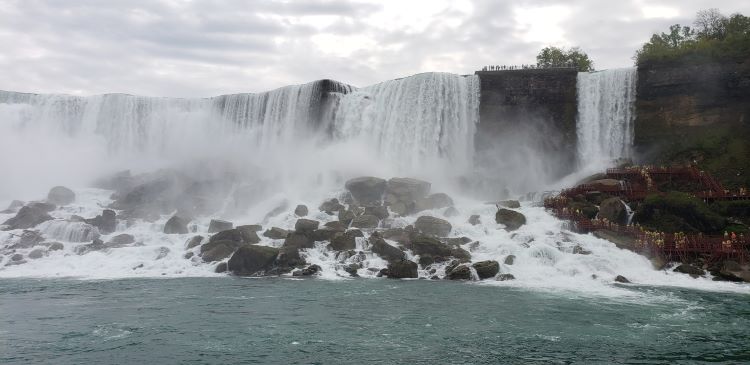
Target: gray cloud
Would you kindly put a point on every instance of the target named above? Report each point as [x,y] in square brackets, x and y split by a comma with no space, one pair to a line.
[204,48]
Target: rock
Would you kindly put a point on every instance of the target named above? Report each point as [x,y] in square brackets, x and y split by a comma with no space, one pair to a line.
[194,241]
[276,233]
[622,279]
[457,241]
[176,225]
[308,271]
[335,225]
[299,240]
[120,240]
[330,206]
[106,222]
[252,260]
[221,268]
[37,253]
[474,220]
[613,209]
[188,255]
[434,201]
[346,216]
[289,258]
[238,234]
[505,277]
[511,219]
[486,269]
[45,207]
[16,257]
[219,250]
[658,262]
[451,212]
[510,259]
[407,189]
[352,270]
[379,211]
[250,227]
[60,195]
[460,272]
[690,270]
[55,246]
[430,246]
[434,226]
[301,210]
[578,250]
[249,233]
[365,221]
[218,225]
[402,269]
[27,217]
[343,241]
[366,190]
[512,204]
[161,253]
[389,253]
[28,239]
[306,225]
[620,240]
[95,245]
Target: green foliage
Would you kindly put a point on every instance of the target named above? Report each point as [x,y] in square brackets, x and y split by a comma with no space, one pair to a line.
[716,37]
[554,56]
[678,212]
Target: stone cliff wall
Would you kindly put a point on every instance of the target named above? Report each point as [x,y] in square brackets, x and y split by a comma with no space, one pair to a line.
[695,114]
[531,111]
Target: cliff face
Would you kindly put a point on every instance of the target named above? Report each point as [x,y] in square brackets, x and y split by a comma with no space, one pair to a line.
[531,113]
[695,114]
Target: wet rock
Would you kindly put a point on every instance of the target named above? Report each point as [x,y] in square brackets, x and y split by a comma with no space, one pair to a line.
[252,260]
[474,220]
[249,233]
[55,246]
[194,241]
[289,258]
[406,189]
[188,255]
[308,271]
[578,250]
[460,272]
[613,209]
[389,253]
[451,212]
[161,253]
[176,225]
[512,204]
[352,270]
[301,210]
[430,246]
[346,216]
[505,277]
[306,225]
[276,233]
[60,195]
[366,190]
[402,269]
[330,206]
[27,239]
[238,234]
[434,226]
[121,240]
[622,279]
[16,257]
[486,269]
[13,207]
[218,225]
[27,217]
[106,222]
[365,221]
[299,240]
[218,250]
[335,225]
[510,259]
[511,219]
[250,227]
[343,241]
[222,267]
[457,241]
[379,211]
[43,206]
[37,253]
[690,270]
[323,234]
[434,201]
[95,245]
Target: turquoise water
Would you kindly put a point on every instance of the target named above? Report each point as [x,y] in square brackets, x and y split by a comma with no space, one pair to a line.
[279,321]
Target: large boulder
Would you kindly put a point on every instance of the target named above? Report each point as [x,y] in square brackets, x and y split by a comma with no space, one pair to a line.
[366,190]
[288,259]
[434,226]
[252,260]
[379,211]
[245,236]
[194,241]
[486,269]
[426,245]
[459,272]
[403,269]
[299,240]
[690,270]
[512,204]
[434,201]
[105,222]
[60,195]
[28,217]
[330,206]
[365,221]
[218,250]
[613,210]
[510,218]
[475,219]
[383,249]
[176,225]
[218,225]
[121,240]
[344,241]
[28,239]
[406,189]
[308,271]
[301,210]
[346,216]
[306,225]
[276,233]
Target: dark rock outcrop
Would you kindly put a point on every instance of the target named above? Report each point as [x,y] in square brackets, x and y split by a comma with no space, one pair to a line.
[621,279]
[389,253]
[613,209]
[331,206]
[176,225]
[252,260]
[301,210]
[486,269]
[121,240]
[511,219]
[60,195]
[276,233]
[308,271]
[344,241]
[218,250]
[458,272]
[512,204]
[366,190]
[105,222]
[299,240]
[194,241]
[238,234]
[365,221]
[474,219]
[306,225]
[218,225]
[434,226]
[27,217]
[403,269]
[690,270]
[510,259]
[505,277]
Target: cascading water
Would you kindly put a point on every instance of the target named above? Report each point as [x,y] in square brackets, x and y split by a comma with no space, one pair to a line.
[605,116]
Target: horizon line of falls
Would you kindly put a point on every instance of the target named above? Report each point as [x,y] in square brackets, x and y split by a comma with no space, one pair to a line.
[606,110]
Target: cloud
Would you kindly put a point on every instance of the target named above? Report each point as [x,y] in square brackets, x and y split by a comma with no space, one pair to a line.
[205,48]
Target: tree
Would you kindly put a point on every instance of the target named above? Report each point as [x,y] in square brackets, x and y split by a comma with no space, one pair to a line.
[554,57]
[711,24]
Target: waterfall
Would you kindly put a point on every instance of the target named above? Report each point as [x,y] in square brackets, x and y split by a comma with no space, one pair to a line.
[605,115]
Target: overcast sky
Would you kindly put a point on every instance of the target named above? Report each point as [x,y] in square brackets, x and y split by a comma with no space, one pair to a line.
[205,48]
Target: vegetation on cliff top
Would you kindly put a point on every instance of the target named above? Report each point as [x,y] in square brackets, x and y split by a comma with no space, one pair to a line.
[714,37]
[553,56]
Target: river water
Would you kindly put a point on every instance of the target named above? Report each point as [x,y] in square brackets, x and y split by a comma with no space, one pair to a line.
[232,320]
